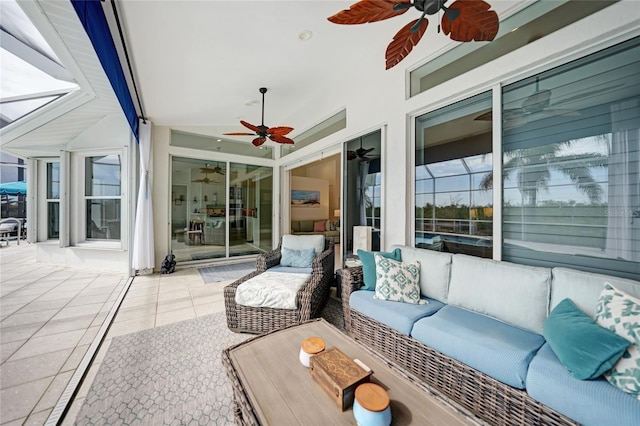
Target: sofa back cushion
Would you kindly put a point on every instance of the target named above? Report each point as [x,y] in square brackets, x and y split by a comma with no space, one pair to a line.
[295,226]
[516,294]
[584,288]
[306,226]
[434,272]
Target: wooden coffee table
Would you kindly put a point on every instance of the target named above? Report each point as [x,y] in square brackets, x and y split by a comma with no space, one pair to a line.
[272,387]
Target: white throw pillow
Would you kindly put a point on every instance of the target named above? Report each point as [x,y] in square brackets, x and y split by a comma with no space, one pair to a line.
[302,242]
[397,281]
[620,313]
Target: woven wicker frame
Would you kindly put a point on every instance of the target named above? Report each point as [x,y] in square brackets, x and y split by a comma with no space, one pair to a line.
[489,399]
[310,299]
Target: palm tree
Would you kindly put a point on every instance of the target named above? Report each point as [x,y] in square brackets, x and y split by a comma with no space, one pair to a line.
[534,166]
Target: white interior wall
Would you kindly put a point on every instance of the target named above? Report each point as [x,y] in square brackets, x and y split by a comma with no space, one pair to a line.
[320,212]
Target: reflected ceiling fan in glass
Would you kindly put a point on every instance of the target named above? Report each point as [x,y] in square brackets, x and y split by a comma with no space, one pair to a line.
[207,171]
[539,105]
[361,153]
[464,20]
[276,134]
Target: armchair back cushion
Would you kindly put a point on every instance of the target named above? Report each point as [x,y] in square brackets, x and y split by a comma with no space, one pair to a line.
[297,258]
[301,242]
[434,273]
[515,294]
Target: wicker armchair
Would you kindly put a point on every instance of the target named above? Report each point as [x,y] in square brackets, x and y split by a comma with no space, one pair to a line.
[310,299]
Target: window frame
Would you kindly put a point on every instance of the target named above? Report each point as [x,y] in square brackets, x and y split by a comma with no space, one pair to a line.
[79,203]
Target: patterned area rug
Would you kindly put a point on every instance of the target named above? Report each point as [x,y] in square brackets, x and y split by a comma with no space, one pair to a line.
[169,375]
[214,274]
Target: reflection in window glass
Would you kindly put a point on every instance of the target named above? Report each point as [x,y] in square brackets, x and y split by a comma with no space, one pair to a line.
[103,176]
[53,220]
[53,200]
[572,167]
[373,199]
[53,180]
[453,186]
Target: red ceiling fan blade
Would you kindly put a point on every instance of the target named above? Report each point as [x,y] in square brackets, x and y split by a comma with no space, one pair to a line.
[281,139]
[239,134]
[250,126]
[280,131]
[368,11]
[258,141]
[475,22]
[404,41]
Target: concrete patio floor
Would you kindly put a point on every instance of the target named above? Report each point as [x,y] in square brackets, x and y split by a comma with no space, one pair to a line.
[49,317]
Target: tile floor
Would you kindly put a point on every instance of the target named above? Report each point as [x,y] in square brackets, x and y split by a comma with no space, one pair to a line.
[49,316]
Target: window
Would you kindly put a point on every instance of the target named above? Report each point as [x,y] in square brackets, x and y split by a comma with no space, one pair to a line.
[102,195]
[538,19]
[571,173]
[454,179]
[53,201]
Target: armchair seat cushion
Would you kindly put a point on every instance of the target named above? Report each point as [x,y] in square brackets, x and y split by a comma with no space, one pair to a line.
[271,290]
[497,349]
[397,315]
[291,270]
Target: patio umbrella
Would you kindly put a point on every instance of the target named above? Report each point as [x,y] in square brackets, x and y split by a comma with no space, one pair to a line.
[13,188]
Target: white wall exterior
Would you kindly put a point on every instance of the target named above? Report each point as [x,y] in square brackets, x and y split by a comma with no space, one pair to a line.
[113,135]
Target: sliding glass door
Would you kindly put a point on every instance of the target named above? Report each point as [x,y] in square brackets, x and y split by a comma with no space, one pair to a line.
[219,209]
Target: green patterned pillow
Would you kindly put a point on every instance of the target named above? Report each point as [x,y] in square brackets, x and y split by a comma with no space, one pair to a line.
[397,281]
[620,313]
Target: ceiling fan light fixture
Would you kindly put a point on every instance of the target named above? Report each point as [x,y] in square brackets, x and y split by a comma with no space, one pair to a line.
[305,35]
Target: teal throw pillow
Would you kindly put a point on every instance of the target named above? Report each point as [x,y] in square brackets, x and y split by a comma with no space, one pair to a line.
[297,258]
[585,348]
[369,265]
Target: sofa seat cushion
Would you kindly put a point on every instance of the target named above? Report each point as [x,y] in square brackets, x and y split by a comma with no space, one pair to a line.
[397,315]
[590,402]
[495,348]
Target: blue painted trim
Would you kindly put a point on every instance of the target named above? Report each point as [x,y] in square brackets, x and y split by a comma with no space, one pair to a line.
[95,24]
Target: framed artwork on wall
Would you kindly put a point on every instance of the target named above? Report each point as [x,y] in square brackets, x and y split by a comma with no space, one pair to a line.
[300,198]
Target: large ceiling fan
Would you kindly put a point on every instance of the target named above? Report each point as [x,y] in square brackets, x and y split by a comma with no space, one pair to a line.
[464,20]
[207,171]
[276,134]
[361,154]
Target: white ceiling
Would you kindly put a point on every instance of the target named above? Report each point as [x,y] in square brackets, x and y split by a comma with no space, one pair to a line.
[201,63]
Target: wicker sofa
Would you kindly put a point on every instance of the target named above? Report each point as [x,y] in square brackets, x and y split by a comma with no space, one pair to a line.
[309,300]
[479,339]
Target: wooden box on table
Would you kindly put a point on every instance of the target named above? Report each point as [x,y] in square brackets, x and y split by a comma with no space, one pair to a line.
[338,375]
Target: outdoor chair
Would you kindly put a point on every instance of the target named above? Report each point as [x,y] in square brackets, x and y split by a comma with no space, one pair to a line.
[309,299]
